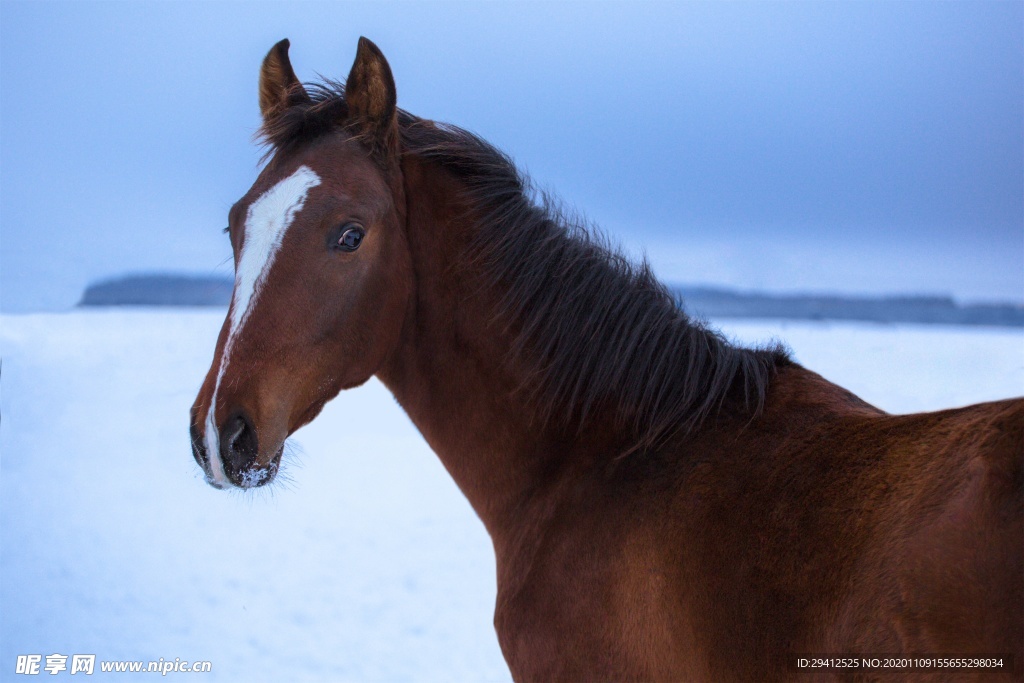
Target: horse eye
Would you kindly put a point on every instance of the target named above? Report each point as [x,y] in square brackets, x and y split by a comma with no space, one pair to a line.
[350,238]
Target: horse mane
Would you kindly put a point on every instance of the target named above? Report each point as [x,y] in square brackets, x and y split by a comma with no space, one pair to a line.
[595,330]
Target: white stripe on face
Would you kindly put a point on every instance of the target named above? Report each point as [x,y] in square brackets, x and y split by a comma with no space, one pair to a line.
[266,222]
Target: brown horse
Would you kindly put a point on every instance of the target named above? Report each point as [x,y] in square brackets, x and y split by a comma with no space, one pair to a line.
[663,505]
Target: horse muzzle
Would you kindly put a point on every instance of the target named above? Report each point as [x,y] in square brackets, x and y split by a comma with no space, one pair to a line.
[237,448]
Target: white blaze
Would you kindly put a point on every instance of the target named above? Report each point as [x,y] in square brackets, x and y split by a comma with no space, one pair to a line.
[266,222]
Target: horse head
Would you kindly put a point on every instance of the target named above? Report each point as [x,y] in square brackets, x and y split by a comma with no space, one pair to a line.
[323,276]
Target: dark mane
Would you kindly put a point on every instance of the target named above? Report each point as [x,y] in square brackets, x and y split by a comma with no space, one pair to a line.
[597,331]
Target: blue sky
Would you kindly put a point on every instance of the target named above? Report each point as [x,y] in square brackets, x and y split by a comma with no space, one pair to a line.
[846,147]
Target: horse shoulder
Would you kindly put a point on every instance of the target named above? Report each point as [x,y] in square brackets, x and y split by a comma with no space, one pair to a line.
[593,594]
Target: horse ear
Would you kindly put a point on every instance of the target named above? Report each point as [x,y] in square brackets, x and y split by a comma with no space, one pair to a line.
[279,88]
[371,97]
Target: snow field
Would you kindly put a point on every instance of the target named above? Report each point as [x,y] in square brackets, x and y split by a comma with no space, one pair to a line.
[368,565]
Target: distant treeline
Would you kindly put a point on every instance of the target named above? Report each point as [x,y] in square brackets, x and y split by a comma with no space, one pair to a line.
[159,290]
[725,303]
[704,302]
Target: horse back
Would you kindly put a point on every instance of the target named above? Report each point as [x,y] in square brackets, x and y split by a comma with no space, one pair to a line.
[831,527]
[952,535]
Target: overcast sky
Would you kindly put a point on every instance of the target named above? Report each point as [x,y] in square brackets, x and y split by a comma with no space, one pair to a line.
[846,147]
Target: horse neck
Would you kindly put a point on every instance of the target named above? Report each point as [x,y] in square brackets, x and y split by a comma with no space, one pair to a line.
[448,370]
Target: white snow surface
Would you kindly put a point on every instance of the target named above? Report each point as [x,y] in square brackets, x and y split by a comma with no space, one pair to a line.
[368,565]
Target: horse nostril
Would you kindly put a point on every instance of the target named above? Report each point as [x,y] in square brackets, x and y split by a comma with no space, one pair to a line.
[238,444]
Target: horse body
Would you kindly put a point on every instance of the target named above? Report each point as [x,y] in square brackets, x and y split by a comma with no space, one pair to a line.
[663,506]
[825,526]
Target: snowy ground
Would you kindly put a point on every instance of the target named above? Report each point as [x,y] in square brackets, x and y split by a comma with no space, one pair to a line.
[369,566]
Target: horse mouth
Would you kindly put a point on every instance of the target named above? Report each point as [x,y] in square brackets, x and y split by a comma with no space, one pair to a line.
[255,477]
